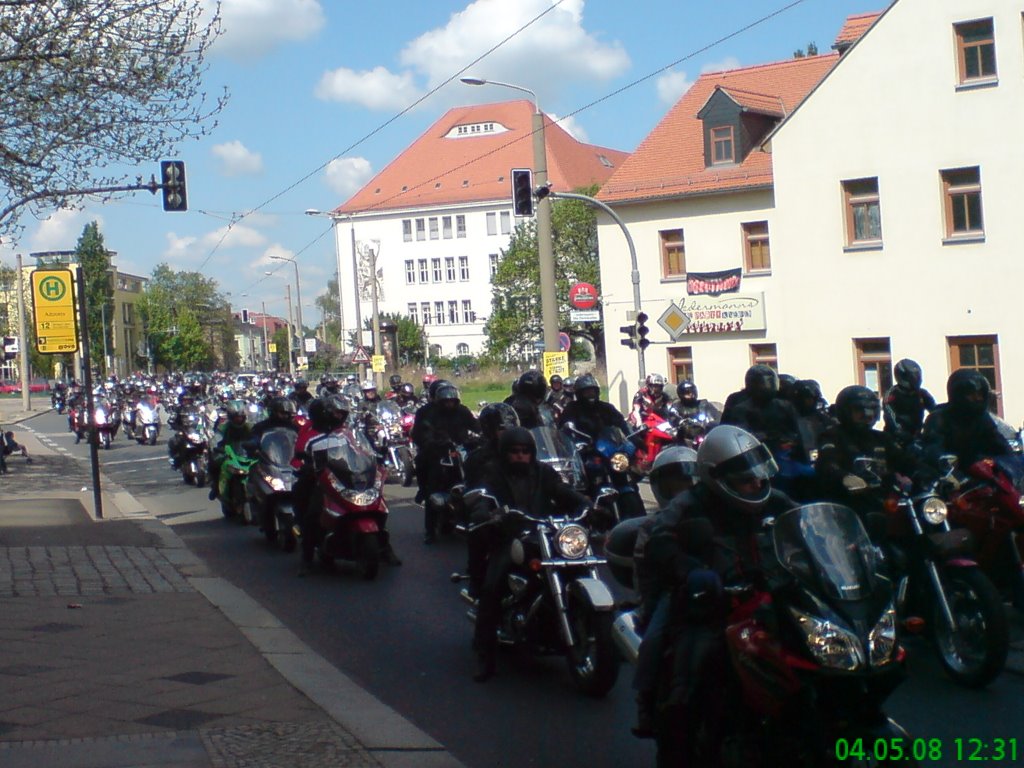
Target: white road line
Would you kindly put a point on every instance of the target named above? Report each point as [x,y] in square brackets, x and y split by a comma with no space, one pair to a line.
[132,461]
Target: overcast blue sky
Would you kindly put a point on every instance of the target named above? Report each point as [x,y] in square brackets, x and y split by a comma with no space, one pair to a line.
[309,79]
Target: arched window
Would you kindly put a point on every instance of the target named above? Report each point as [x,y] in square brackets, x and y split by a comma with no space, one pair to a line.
[462,349]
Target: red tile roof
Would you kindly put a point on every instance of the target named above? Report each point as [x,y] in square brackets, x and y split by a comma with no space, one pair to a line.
[437,169]
[670,161]
[854,28]
[761,103]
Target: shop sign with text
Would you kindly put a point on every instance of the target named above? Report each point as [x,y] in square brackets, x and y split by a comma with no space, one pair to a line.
[734,313]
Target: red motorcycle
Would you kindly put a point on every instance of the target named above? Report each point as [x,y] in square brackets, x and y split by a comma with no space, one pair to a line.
[989,503]
[353,515]
[659,433]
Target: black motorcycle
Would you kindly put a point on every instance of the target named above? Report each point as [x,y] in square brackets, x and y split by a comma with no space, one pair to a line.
[269,488]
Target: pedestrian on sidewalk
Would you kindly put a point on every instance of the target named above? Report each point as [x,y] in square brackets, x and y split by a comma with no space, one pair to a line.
[12,447]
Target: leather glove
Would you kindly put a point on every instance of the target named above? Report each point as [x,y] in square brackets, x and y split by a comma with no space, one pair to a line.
[703,582]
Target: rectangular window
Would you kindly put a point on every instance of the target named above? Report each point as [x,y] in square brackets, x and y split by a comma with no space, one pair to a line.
[435,266]
[506,223]
[453,312]
[433,228]
[976,50]
[680,361]
[410,272]
[446,227]
[492,223]
[421,229]
[863,216]
[468,315]
[673,253]
[424,272]
[463,268]
[414,313]
[765,354]
[460,226]
[874,364]
[425,308]
[407,230]
[981,353]
[756,254]
[449,269]
[439,312]
[962,194]
[493,258]
[722,146]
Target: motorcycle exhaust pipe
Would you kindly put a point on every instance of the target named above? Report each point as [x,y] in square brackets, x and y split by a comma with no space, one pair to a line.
[626,638]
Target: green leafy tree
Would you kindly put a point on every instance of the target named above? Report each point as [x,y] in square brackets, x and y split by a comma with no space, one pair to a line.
[515,320]
[93,256]
[280,338]
[91,84]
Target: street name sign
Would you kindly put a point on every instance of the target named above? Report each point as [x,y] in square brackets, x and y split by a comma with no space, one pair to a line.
[53,309]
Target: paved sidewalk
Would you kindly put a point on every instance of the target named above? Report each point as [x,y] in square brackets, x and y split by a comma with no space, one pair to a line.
[119,649]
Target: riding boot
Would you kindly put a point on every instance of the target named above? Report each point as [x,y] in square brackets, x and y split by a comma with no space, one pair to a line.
[644,728]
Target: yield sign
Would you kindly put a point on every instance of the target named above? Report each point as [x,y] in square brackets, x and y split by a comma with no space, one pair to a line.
[361,356]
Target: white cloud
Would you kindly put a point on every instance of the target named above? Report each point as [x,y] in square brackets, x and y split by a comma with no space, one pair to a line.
[238,236]
[572,126]
[270,261]
[548,55]
[672,85]
[237,160]
[374,89]
[61,229]
[347,175]
[253,28]
[179,248]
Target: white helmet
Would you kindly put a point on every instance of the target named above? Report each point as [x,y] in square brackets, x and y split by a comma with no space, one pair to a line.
[655,380]
[730,455]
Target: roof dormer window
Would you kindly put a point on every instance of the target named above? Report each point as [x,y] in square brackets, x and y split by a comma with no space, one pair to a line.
[475,129]
[723,146]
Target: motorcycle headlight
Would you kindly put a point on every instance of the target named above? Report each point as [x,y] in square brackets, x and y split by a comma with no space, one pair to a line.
[934,510]
[195,437]
[360,498]
[572,541]
[882,640]
[101,417]
[619,462]
[831,645]
[275,483]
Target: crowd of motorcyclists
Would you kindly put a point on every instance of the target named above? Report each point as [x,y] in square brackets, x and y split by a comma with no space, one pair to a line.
[721,474]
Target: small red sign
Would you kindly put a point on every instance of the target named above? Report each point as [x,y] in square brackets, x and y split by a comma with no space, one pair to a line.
[583,296]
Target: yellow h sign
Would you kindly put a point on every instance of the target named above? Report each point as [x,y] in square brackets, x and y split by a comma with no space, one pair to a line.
[53,307]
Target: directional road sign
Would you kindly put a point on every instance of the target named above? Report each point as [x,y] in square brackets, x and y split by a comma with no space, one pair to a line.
[53,307]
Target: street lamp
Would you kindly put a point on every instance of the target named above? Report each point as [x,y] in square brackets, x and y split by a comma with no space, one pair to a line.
[337,251]
[291,331]
[545,252]
[298,294]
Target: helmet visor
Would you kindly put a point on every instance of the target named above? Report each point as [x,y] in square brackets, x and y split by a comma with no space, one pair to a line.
[756,463]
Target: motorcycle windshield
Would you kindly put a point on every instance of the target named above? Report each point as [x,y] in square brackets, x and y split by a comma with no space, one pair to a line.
[826,547]
[388,412]
[349,458]
[553,446]
[278,446]
[613,440]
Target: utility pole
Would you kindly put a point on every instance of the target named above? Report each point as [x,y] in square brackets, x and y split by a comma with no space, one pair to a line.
[291,330]
[378,348]
[355,279]
[266,344]
[26,389]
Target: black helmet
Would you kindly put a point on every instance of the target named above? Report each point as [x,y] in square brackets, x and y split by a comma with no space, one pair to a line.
[533,385]
[569,385]
[407,389]
[516,437]
[587,388]
[786,383]
[968,391]
[316,412]
[857,407]
[908,374]
[555,379]
[335,411]
[395,380]
[447,391]
[495,417]
[673,471]
[761,382]
[235,411]
[687,392]
[300,383]
[282,409]
[434,386]
[806,396]
[736,466]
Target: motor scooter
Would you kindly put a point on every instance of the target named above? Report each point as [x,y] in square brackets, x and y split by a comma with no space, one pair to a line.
[147,421]
[271,504]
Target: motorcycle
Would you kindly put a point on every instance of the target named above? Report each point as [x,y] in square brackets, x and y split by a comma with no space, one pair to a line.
[194,450]
[78,421]
[942,591]
[811,653]
[352,512]
[106,419]
[270,488]
[988,501]
[147,421]
[234,471]
[557,602]
[557,450]
[607,464]
[392,443]
[692,425]
[57,401]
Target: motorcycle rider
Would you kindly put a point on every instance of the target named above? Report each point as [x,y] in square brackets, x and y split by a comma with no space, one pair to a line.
[325,415]
[962,426]
[281,413]
[519,481]
[588,413]
[300,394]
[771,419]
[176,422]
[439,424]
[690,414]
[395,382]
[558,397]
[529,393]
[812,417]
[406,396]
[234,431]
[651,397]
[703,539]
[906,403]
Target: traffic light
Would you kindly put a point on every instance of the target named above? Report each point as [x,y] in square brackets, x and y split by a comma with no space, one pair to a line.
[642,330]
[630,332]
[522,191]
[172,183]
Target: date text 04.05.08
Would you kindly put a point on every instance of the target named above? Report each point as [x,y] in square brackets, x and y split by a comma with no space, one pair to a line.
[967,750]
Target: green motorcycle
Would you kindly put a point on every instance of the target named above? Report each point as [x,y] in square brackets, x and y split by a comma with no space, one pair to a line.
[234,472]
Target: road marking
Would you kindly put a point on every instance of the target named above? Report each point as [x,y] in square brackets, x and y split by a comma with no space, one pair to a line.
[132,461]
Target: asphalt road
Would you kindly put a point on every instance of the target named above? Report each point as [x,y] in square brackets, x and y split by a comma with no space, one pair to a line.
[405,638]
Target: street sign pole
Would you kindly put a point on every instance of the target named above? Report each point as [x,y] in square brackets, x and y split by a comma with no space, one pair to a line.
[94,456]
[26,388]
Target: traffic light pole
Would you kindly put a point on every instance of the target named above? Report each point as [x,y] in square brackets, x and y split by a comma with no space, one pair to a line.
[635,275]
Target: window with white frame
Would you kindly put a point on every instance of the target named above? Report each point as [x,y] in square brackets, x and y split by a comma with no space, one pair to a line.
[410,272]
[453,312]
[425,308]
[433,227]
[421,229]
[462,349]
[435,266]
[492,223]
[506,223]
[407,230]
[463,268]
[446,227]
[460,226]
[468,315]
[493,258]
[449,269]
[414,312]
[424,272]
[439,312]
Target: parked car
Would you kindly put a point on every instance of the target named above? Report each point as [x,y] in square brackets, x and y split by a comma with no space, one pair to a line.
[12,387]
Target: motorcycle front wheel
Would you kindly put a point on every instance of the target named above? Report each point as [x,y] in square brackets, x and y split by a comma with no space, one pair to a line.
[593,661]
[974,653]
